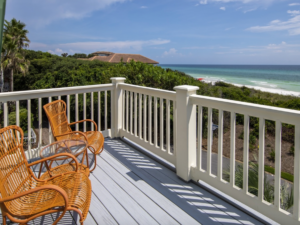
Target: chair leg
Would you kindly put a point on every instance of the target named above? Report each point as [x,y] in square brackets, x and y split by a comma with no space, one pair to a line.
[4,220]
[95,163]
[59,218]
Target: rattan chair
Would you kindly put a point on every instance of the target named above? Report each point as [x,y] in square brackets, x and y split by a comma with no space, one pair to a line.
[25,197]
[56,113]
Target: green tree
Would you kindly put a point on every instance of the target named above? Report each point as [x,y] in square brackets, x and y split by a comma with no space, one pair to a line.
[13,60]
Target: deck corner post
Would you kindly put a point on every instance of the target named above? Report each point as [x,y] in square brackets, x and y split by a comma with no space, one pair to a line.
[116,106]
[186,131]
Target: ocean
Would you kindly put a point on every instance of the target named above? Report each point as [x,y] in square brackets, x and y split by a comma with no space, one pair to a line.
[273,78]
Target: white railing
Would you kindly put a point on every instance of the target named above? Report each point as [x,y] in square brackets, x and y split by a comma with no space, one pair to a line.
[146,119]
[170,123]
[279,116]
[25,99]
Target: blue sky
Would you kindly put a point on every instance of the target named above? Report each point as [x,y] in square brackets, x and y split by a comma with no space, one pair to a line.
[178,31]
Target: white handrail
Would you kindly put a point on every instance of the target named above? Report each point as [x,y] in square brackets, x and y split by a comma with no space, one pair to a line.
[45,93]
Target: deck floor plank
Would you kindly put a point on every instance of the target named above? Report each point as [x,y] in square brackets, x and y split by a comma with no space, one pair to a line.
[111,204]
[135,210]
[104,217]
[161,200]
[217,209]
[221,207]
[145,201]
[114,146]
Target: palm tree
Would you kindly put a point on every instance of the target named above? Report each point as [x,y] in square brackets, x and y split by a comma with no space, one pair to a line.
[14,40]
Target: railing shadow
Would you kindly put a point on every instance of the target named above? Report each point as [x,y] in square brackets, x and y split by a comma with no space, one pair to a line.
[195,201]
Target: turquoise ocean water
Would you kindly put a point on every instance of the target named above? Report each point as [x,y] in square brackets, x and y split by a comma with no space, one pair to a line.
[279,77]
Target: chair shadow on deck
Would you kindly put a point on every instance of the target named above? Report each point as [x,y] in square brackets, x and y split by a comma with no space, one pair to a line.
[195,201]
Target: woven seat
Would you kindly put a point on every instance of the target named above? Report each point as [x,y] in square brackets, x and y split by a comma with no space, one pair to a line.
[25,197]
[61,129]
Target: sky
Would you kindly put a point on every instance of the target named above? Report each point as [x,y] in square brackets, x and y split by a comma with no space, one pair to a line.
[168,31]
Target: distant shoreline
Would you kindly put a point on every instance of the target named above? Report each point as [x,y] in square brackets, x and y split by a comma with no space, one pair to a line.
[263,89]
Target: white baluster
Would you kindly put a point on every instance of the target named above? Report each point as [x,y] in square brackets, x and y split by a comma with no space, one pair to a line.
[84,111]
[246,153]
[76,112]
[161,107]
[220,145]
[145,118]
[140,115]
[92,110]
[150,119]
[261,160]
[209,140]
[135,115]
[168,127]
[155,121]
[232,149]
[277,176]
[199,149]
[105,109]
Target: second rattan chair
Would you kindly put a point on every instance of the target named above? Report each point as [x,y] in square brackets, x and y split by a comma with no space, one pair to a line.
[56,113]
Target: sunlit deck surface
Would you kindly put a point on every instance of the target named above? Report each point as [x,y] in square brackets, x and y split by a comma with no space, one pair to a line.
[131,188]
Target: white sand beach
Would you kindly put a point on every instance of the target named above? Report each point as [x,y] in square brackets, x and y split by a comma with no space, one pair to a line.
[264,89]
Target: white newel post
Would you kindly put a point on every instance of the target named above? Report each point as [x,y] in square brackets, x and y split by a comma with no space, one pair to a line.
[186,131]
[116,106]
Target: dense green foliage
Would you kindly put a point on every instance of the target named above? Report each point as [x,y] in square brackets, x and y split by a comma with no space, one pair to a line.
[23,119]
[50,71]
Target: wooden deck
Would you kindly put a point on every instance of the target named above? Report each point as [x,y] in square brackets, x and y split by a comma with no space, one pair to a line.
[131,188]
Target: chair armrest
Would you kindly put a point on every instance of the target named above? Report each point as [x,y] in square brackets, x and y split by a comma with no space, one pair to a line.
[87,120]
[73,132]
[55,156]
[44,187]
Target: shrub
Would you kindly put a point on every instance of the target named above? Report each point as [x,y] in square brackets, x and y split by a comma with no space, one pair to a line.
[272,155]
[23,119]
[241,136]
[252,139]
[251,147]
[292,150]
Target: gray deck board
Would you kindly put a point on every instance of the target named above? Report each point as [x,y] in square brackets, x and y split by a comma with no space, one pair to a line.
[206,203]
[104,217]
[161,200]
[145,201]
[135,210]
[113,148]
[111,204]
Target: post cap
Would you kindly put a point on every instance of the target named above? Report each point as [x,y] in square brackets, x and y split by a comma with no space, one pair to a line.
[187,88]
[117,78]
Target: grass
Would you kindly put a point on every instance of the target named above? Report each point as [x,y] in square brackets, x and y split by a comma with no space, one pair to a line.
[284,175]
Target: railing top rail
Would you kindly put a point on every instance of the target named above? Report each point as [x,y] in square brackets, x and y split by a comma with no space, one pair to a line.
[170,95]
[43,93]
[263,111]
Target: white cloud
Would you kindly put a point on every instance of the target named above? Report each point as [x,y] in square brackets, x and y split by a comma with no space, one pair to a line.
[88,47]
[223,8]
[172,51]
[250,10]
[293,12]
[292,25]
[294,4]
[40,13]
[263,2]
[58,51]
[144,7]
